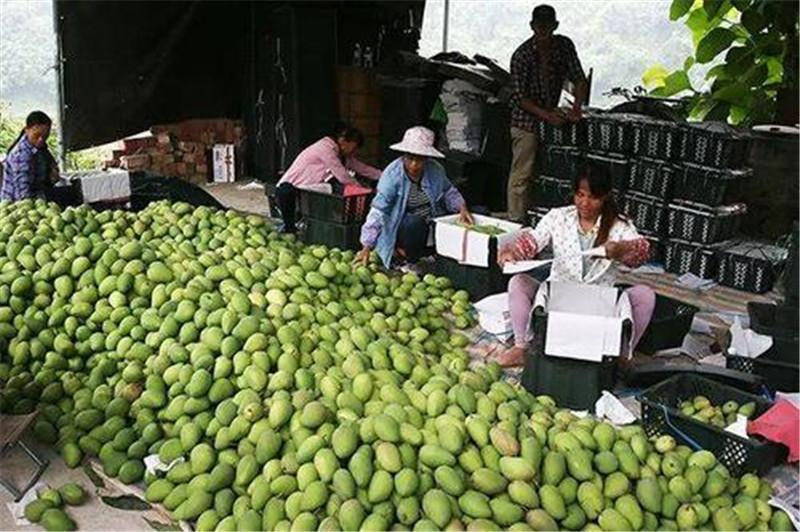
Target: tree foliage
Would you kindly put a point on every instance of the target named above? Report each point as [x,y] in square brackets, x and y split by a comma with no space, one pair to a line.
[751,48]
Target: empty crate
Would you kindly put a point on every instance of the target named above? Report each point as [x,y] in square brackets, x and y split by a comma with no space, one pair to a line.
[750,266]
[610,132]
[551,192]
[562,162]
[688,257]
[646,212]
[651,177]
[708,185]
[714,144]
[657,139]
[703,224]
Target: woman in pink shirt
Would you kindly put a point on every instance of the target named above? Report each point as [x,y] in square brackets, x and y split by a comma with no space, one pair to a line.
[330,158]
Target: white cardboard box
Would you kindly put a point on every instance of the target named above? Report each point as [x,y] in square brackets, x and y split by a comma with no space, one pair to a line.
[224,162]
[596,311]
[471,247]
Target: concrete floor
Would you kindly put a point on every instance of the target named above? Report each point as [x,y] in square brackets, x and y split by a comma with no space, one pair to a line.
[94,514]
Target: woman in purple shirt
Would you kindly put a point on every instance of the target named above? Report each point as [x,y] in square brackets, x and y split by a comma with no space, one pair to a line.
[330,158]
[28,165]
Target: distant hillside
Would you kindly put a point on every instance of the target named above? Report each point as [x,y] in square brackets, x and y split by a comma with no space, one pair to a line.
[619,38]
[27,56]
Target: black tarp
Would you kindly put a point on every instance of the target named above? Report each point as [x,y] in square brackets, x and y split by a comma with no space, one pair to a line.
[129,65]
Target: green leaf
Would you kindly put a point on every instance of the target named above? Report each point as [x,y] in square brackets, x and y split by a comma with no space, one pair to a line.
[719,112]
[654,76]
[689,63]
[738,61]
[757,75]
[93,476]
[715,42]
[752,21]
[741,5]
[699,24]
[162,527]
[739,114]
[712,7]
[717,72]
[774,69]
[679,8]
[126,502]
[676,82]
[735,93]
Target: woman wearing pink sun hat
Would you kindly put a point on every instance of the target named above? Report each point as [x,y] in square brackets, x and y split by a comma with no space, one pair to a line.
[412,191]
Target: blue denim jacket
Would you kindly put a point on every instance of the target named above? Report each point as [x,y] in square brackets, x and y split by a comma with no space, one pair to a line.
[389,206]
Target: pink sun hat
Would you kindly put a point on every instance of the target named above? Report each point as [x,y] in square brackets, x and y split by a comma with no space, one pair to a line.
[418,141]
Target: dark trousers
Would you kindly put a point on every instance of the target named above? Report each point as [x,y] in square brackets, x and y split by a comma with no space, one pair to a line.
[412,236]
[286,196]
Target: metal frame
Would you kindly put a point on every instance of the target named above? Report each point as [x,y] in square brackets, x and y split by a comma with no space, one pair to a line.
[41,466]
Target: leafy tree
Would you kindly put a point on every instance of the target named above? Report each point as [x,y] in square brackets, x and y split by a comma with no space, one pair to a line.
[751,46]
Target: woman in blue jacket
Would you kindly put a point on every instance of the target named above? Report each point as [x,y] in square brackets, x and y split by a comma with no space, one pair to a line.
[412,191]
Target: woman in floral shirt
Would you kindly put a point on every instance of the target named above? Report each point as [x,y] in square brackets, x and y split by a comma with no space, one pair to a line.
[28,166]
[593,221]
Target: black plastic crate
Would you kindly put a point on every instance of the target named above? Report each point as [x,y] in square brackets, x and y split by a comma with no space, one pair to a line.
[332,234]
[652,177]
[750,266]
[477,281]
[646,212]
[777,376]
[703,224]
[617,167]
[333,207]
[670,323]
[562,162]
[567,134]
[714,144]
[575,384]
[709,186]
[657,139]
[688,257]
[661,415]
[610,133]
[551,192]
[773,320]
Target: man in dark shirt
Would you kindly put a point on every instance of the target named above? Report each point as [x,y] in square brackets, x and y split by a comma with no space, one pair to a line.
[539,68]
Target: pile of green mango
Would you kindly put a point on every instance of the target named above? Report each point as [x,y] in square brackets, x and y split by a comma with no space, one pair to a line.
[48,507]
[701,409]
[289,389]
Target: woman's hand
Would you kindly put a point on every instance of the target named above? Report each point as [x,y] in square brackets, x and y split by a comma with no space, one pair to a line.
[362,257]
[465,217]
[615,250]
[507,254]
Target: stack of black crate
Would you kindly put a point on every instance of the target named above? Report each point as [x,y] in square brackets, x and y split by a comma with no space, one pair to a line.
[679,183]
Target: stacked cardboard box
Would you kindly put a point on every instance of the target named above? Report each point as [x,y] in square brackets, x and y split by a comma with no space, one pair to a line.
[360,104]
[179,150]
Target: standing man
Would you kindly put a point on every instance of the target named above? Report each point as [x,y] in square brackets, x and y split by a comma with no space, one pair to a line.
[539,68]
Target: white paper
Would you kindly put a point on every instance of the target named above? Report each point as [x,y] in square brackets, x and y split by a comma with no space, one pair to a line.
[470,247]
[17,509]
[510,268]
[648,268]
[103,185]
[153,464]
[791,511]
[738,427]
[695,348]
[493,314]
[690,280]
[598,336]
[746,342]
[253,185]
[611,408]
[793,398]
[224,162]
[579,298]
[324,188]
[527,265]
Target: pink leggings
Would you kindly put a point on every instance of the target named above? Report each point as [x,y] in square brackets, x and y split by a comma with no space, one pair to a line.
[522,291]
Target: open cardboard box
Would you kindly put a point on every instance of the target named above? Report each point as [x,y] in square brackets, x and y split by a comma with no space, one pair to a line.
[472,247]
